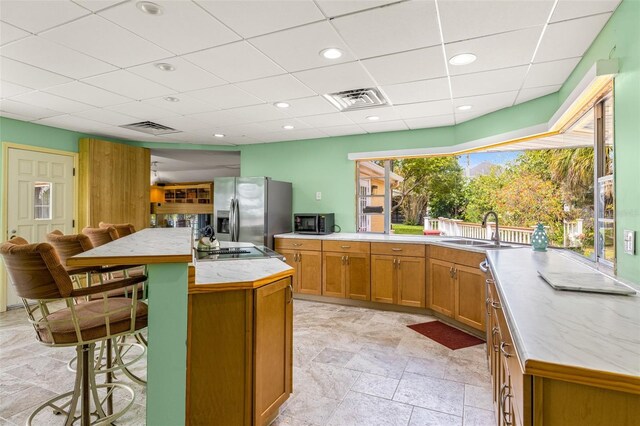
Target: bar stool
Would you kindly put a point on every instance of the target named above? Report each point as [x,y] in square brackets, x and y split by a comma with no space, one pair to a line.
[64,316]
[106,234]
[123,229]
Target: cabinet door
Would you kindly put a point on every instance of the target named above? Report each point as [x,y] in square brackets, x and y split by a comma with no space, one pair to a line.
[290,259]
[358,276]
[383,277]
[310,272]
[333,281]
[411,283]
[273,324]
[470,296]
[441,287]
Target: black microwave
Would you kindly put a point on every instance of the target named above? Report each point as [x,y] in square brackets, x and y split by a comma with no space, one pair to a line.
[313,223]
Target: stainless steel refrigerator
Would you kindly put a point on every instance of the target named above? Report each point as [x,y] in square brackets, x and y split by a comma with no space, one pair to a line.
[251,209]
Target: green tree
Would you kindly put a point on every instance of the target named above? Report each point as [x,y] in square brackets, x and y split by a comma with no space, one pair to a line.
[481,193]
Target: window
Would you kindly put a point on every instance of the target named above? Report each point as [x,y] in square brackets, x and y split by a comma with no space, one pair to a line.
[42,201]
[373,198]
[605,241]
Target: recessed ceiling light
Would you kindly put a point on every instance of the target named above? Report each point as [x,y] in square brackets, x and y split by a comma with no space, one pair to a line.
[287,127]
[282,105]
[463,59]
[219,135]
[373,118]
[331,53]
[149,8]
[464,107]
[163,66]
[171,99]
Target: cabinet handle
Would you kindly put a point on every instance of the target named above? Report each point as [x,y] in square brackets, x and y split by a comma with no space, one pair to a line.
[297,244]
[398,263]
[295,257]
[345,247]
[395,249]
[394,263]
[484,266]
[496,305]
[342,259]
[503,349]
[451,272]
[494,331]
[299,257]
[455,272]
[290,294]
[348,263]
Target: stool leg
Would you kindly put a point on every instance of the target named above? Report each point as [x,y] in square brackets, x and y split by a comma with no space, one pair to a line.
[85,416]
[109,378]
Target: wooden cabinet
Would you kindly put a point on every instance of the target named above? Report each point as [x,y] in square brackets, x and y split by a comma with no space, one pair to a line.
[306,258]
[113,184]
[346,272]
[182,198]
[456,286]
[239,349]
[398,280]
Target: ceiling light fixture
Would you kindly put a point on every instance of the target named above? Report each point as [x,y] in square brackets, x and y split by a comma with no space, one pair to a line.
[287,127]
[373,118]
[219,135]
[331,53]
[282,105]
[463,59]
[464,107]
[149,8]
[163,66]
[171,99]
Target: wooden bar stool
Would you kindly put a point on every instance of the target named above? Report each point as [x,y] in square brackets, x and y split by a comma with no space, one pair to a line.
[64,316]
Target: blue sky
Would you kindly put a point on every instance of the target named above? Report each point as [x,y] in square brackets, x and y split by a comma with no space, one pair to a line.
[500,158]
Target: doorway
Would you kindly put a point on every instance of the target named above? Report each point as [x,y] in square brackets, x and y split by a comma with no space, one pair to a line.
[39,189]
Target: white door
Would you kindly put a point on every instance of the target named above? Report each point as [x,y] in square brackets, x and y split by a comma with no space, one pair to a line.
[40,188]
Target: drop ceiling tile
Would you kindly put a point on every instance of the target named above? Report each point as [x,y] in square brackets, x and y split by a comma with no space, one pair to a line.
[385,126]
[467,116]
[186,124]
[496,51]
[420,64]
[225,97]
[333,8]
[39,15]
[250,18]
[484,83]
[257,113]
[434,121]
[53,102]
[299,48]
[28,76]
[350,129]
[309,106]
[32,111]
[550,73]
[327,120]
[104,40]
[395,28]
[44,54]
[8,90]
[252,130]
[187,104]
[383,114]
[278,88]
[87,94]
[106,116]
[219,118]
[96,5]
[536,92]
[9,33]
[424,109]
[418,91]
[571,9]
[186,76]
[235,62]
[127,84]
[182,27]
[277,125]
[336,78]
[570,38]
[15,116]
[142,111]
[293,135]
[486,103]
[70,122]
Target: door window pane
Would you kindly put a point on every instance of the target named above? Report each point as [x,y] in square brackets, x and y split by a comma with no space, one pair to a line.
[42,201]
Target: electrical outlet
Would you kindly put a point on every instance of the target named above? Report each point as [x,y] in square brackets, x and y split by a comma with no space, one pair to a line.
[318,195]
[629,242]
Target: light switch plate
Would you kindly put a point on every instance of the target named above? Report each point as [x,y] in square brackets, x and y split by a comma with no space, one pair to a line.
[629,242]
[318,195]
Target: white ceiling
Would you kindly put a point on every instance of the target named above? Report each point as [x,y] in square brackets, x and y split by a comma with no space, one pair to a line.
[88,65]
[180,165]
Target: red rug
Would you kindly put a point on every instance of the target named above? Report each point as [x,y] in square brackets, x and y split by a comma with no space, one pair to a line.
[446,335]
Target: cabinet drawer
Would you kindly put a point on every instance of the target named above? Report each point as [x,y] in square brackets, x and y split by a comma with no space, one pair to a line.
[346,246]
[461,257]
[298,244]
[398,249]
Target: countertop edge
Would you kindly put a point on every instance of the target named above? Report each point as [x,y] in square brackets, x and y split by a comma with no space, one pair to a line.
[203,288]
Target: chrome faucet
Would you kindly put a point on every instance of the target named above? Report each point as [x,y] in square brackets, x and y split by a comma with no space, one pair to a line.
[496,235]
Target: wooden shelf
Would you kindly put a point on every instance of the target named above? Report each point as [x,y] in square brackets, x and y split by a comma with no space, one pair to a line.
[182,198]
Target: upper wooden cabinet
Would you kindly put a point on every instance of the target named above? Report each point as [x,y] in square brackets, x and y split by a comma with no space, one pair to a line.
[182,198]
[113,183]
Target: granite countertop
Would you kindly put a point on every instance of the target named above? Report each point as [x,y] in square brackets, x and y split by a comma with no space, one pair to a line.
[239,271]
[150,245]
[588,334]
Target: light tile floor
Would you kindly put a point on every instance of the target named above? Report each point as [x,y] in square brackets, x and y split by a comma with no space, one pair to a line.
[352,366]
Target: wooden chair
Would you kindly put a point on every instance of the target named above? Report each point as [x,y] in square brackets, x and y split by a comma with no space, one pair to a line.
[65,316]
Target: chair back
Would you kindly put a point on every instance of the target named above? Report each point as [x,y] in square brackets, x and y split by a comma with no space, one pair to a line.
[35,270]
[123,229]
[100,236]
[68,245]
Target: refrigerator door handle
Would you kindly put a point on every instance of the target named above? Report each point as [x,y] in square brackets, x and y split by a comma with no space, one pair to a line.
[236,220]
[231,220]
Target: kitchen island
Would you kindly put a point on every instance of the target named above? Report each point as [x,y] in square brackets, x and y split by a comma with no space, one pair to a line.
[225,311]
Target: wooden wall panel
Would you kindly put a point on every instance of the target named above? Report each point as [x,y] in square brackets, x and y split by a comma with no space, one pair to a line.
[114,183]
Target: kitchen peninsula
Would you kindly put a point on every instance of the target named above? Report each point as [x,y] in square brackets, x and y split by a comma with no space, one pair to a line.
[235,316]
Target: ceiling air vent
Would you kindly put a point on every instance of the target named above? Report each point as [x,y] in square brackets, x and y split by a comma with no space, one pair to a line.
[151,128]
[357,99]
